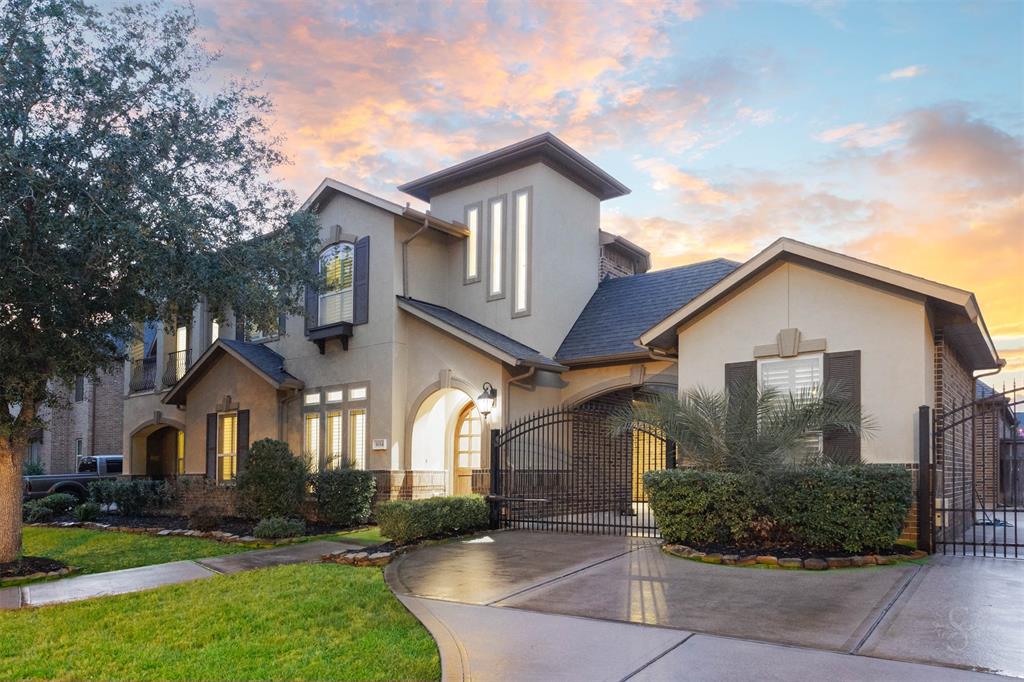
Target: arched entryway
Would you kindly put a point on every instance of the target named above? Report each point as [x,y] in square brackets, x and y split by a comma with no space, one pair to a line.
[447,440]
[158,450]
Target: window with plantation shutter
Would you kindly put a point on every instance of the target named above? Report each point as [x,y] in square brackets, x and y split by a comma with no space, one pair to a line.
[335,455]
[791,376]
[357,429]
[312,439]
[337,267]
[227,447]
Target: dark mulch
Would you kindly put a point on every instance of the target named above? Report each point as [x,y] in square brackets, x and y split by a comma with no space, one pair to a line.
[226,525]
[794,551]
[27,565]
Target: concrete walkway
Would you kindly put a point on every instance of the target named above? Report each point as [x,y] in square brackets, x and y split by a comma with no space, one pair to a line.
[535,605]
[157,575]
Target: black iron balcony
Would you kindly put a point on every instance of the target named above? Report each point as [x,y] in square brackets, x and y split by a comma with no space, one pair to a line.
[143,377]
[177,364]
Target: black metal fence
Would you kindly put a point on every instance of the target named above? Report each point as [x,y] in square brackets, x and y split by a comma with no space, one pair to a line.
[563,469]
[143,375]
[177,364]
[977,483]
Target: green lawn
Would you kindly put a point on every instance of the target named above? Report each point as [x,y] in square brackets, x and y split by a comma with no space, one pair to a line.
[302,622]
[95,551]
[366,536]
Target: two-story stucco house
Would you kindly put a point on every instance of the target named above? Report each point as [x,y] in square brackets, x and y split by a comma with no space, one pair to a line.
[508,288]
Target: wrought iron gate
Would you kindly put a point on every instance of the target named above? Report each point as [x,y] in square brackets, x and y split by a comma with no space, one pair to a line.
[978,477]
[562,469]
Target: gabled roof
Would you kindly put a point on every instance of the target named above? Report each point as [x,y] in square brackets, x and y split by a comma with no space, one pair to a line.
[491,342]
[257,357]
[636,252]
[544,148]
[971,336]
[330,186]
[624,307]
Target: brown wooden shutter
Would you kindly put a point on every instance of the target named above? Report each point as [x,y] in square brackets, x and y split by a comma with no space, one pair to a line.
[282,324]
[842,371]
[211,446]
[243,438]
[312,299]
[239,328]
[741,384]
[361,283]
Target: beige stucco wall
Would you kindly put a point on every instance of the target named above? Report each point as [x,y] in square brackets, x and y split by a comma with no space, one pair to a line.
[588,382]
[890,330]
[565,253]
[228,377]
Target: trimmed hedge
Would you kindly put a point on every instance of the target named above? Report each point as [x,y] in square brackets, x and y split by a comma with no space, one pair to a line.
[59,503]
[272,482]
[824,509]
[34,511]
[344,496]
[409,520]
[133,497]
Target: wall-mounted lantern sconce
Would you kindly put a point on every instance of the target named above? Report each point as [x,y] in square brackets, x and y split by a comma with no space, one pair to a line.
[485,403]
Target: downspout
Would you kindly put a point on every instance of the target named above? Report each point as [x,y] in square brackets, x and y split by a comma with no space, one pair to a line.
[405,253]
[282,412]
[997,370]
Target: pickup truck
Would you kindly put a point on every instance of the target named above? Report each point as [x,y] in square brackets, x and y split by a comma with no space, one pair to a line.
[89,469]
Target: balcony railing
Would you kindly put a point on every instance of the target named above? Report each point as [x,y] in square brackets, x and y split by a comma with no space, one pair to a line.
[177,364]
[143,377]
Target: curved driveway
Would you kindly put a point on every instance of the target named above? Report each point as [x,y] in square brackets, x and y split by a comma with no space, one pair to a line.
[522,605]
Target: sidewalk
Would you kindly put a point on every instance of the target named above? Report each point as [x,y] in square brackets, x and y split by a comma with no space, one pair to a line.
[157,575]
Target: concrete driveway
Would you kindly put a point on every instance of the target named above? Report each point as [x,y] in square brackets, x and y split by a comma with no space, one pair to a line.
[962,613]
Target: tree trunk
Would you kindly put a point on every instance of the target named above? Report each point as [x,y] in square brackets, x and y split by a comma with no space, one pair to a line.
[11,456]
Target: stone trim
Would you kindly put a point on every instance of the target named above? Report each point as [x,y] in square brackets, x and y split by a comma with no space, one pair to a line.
[789,344]
[809,564]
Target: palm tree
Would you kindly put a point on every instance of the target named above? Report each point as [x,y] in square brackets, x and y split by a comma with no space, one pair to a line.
[748,430]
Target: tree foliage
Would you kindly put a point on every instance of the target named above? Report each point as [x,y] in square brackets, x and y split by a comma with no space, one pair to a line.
[746,429]
[131,188]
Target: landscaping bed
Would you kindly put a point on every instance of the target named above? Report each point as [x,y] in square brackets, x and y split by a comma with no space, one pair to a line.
[790,557]
[32,568]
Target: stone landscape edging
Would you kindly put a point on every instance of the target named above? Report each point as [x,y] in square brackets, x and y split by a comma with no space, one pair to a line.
[32,577]
[218,535]
[792,563]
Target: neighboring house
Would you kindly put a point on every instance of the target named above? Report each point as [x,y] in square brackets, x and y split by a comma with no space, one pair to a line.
[508,289]
[90,423]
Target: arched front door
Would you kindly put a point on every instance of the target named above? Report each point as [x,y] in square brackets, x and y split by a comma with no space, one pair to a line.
[468,429]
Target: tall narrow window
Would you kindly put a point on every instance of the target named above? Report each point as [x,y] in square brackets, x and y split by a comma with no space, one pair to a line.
[337,267]
[312,440]
[79,389]
[180,468]
[472,270]
[521,270]
[496,249]
[214,330]
[227,446]
[335,441]
[357,434]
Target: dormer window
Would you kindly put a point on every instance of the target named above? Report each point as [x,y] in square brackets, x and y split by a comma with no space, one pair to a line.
[337,267]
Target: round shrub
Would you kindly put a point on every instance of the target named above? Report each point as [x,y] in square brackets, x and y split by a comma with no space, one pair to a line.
[272,481]
[34,511]
[344,496]
[87,511]
[59,503]
[277,527]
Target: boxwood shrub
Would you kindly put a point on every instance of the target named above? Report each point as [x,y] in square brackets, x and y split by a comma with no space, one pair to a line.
[277,527]
[408,520]
[133,497]
[272,482]
[344,496]
[59,503]
[824,509]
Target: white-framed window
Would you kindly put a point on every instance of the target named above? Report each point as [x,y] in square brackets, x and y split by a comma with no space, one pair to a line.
[335,439]
[336,396]
[357,437]
[311,398]
[180,463]
[794,376]
[227,446]
[311,438]
[79,448]
[357,393]
[471,260]
[337,266]
[791,375]
[496,248]
[521,201]
[214,330]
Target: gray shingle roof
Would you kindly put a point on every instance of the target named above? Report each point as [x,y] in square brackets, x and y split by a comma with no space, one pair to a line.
[268,362]
[623,308]
[521,352]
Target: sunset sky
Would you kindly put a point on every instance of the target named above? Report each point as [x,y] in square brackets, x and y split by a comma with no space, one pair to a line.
[892,131]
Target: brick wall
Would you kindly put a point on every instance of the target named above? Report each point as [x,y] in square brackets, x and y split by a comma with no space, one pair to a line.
[987,439]
[954,447]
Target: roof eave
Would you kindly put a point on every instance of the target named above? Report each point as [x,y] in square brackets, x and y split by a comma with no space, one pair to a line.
[177,394]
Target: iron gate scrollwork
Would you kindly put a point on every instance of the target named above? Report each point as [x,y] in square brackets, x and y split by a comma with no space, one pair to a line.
[564,470]
[978,476]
